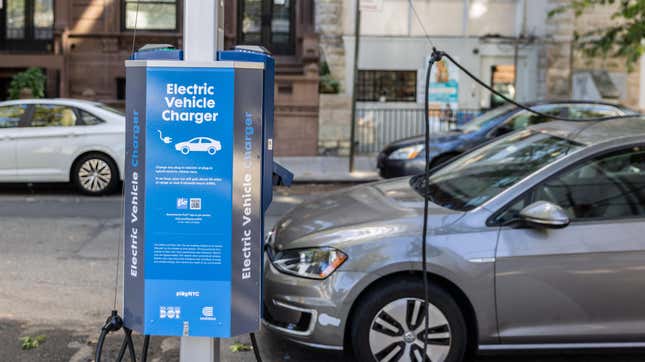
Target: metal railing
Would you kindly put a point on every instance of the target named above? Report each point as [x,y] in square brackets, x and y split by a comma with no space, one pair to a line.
[377,127]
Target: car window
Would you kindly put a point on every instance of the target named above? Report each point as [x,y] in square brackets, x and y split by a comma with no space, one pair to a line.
[206,140]
[583,111]
[89,119]
[53,116]
[10,115]
[525,119]
[485,119]
[609,186]
[480,175]
[196,140]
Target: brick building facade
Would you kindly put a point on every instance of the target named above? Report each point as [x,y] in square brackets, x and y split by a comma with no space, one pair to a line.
[82,44]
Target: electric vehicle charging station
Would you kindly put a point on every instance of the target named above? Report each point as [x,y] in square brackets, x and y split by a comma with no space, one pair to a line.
[193,198]
[198,179]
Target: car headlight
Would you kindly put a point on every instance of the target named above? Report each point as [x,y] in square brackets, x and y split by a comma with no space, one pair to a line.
[315,263]
[407,153]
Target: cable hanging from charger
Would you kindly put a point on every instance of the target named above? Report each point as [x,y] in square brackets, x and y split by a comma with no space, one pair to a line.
[114,322]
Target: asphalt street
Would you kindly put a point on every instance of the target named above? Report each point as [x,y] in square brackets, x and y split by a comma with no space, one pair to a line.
[57,279]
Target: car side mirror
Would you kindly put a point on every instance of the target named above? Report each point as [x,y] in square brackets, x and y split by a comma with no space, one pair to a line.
[544,214]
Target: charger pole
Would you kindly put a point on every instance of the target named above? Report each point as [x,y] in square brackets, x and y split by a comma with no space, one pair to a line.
[352,131]
[203,36]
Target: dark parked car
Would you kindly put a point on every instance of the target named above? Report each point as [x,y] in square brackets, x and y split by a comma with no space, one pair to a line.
[407,156]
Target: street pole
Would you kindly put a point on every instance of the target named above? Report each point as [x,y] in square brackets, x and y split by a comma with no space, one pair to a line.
[352,134]
[201,40]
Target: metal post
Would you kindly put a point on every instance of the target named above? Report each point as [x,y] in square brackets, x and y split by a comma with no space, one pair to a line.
[352,132]
[199,349]
[201,40]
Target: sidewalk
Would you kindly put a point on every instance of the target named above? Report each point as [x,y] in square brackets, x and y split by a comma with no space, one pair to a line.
[330,169]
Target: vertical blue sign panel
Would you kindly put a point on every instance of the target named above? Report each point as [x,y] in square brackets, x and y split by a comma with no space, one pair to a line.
[189,143]
[193,239]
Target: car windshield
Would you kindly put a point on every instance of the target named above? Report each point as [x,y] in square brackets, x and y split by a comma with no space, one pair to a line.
[483,119]
[480,175]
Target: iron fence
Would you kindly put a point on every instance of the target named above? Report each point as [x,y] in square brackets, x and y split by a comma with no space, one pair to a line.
[377,127]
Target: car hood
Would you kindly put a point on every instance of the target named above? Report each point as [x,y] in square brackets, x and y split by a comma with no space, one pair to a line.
[442,137]
[361,211]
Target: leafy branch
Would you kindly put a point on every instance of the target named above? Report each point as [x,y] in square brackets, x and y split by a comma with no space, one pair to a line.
[625,38]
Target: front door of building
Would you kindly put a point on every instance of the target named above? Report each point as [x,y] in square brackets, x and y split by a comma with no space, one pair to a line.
[269,23]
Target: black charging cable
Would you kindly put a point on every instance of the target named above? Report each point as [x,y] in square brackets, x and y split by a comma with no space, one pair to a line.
[112,324]
[256,350]
[435,57]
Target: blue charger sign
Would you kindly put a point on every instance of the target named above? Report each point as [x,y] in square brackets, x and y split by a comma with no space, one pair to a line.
[193,198]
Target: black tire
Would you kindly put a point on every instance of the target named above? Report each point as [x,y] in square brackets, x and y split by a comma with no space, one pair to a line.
[365,313]
[104,170]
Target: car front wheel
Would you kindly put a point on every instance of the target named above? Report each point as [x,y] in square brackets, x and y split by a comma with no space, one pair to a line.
[95,174]
[389,325]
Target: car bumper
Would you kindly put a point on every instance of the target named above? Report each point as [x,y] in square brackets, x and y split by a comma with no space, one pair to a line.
[396,168]
[310,312]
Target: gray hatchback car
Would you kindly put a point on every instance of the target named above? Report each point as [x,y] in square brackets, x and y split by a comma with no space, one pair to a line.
[537,240]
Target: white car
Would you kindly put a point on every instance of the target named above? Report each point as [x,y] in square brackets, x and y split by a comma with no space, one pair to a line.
[199,144]
[62,140]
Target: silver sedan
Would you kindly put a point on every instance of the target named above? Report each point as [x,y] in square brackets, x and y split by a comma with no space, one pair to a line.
[536,241]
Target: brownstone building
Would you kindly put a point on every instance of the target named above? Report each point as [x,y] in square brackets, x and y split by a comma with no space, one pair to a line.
[82,44]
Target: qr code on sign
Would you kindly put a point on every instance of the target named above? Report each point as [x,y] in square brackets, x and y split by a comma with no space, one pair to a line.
[195,204]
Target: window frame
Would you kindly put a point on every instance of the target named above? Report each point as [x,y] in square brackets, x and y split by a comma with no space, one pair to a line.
[360,86]
[32,109]
[23,118]
[28,43]
[81,122]
[123,17]
[530,193]
[266,38]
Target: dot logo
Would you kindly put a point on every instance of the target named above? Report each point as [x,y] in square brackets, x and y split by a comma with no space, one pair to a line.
[169,312]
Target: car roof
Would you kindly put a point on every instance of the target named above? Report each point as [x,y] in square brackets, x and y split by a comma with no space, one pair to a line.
[596,132]
[62,101]
[570,101]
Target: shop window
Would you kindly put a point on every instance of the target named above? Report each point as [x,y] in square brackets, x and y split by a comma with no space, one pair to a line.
[269,23]
[149,15]
[27,25]
[387,86]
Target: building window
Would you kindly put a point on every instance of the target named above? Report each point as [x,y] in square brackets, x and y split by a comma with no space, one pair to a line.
[27,25]
[269,23]
[150,15]
[387,86]
[503,81]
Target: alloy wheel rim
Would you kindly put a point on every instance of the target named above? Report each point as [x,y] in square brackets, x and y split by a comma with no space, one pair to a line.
[397,332]
[95,175]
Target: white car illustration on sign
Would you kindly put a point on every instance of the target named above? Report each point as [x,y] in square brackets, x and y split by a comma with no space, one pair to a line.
[199,144]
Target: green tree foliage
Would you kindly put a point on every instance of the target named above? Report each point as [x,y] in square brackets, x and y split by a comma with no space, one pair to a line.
[328,84]
[33,79]
[624,38]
